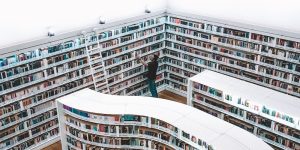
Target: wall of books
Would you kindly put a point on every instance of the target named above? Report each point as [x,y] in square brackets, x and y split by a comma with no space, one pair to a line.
[32,78]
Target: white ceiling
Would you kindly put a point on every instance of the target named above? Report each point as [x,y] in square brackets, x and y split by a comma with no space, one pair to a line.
[27,20]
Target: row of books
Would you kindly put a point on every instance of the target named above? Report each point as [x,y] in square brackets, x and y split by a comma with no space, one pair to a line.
[215,28]
[164,124]
[187,23]
[241,54]
[15,71]
[130,28]
[89,136]
[183,73]
[22,69]
[90,39]
[121,76]
[259,120]
[262,38]
[255,77]
[274,51]
[136,71]
[12,130]
[133,45]
[104,118]
[135,87]
[38,139]
[10,108]
[263,59]
[294,56]
[32,121]
[62,88]
[127,56]
[141,34]
[122,49]
[114,32]
[118,59]
[145,89]
[40,107]
[38,76]
[149,31]
[133,82]
[42,127]
[199,61]
[215,38]
[109,43]
[210,27]
[143,24]
[83,129]
[53,88]
[273,72]
[67,45]
[132,71]
[176,85]
[234,42]
[204,88]
[114,79]
[234,32]
[290,66]
[282,84]
[173,61]
[172,53]
[122,129]
[21,115]
[208,46]
[127,37]
[288,43]
[21,57]
[95,139]
[178,78]
[20,127]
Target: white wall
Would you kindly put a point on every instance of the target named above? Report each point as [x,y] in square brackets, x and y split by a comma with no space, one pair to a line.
[23,20]
[279,14]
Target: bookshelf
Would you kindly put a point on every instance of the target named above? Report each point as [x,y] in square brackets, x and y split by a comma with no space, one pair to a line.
[103,59]
[249,106]
[31,80]
[130,125]
[253,56]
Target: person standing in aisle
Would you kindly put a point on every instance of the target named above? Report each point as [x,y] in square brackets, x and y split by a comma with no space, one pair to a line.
[151,74]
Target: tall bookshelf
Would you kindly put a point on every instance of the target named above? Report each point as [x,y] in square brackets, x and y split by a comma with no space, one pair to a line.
[246,53]
[102,58]
[253,108]
[33,77]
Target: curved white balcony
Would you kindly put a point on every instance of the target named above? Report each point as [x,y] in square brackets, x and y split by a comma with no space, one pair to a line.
[215,132]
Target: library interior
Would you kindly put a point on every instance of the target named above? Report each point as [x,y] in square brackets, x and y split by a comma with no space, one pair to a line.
[160,74]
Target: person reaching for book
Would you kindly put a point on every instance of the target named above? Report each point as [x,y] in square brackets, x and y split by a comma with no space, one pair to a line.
[151,74]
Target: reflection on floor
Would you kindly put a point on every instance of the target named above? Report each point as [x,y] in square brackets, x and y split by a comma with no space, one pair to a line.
[172,96]
[163,94]
[55,146]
